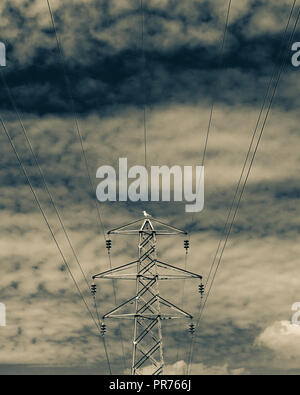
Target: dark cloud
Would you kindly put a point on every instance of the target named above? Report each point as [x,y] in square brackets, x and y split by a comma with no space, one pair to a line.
[104,63]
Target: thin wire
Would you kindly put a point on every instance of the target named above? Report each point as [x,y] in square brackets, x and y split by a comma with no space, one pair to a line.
[213,105]
[252,159]
[115,299]
[42,175]
[143,81]
[213,100]
[48,224]
[251,144]
[189,350]
[70,92]
[215,93]
[103,338]
[106,355]
[183,290]
[247,175]
[183,285]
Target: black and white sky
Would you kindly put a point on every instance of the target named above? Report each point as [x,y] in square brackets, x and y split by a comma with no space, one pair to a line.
[247,324]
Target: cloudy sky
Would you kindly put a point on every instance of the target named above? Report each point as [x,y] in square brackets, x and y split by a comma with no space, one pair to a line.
[246,328]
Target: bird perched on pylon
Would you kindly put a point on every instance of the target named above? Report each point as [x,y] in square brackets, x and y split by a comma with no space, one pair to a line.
[146,214]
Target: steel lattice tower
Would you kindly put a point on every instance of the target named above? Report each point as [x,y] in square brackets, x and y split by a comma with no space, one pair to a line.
[149,307]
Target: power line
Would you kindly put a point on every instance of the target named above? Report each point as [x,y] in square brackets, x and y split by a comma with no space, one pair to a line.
[249,170]
[48,192]
[222,50]
[213,100]
[143,80]
[214,96]
[99,324]
[42,175]
[253,157]
[70,93]
[115,299]
[247,176]
[49,226]
[252,141]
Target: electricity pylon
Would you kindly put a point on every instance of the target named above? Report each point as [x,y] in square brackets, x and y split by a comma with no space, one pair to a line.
[149,307]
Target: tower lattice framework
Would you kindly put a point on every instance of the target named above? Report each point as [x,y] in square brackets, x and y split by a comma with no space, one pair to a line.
[150,308]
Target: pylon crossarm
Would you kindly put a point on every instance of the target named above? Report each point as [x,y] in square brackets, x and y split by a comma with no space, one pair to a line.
[177,269]
[175,317]
[131,316]
[184,274]
[107,315]
[173,307]
[174,277]
[109,274]
[129,276]
[162,316]
[165,302]
[123,229]
[124,226]
[115,270]
[178,231]
[127,232]
[146,278]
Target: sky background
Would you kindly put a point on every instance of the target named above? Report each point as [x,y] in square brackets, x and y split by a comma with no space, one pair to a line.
[246,327]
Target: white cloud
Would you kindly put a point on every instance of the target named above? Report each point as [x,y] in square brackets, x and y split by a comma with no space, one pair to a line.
[169,25]
[283,337]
